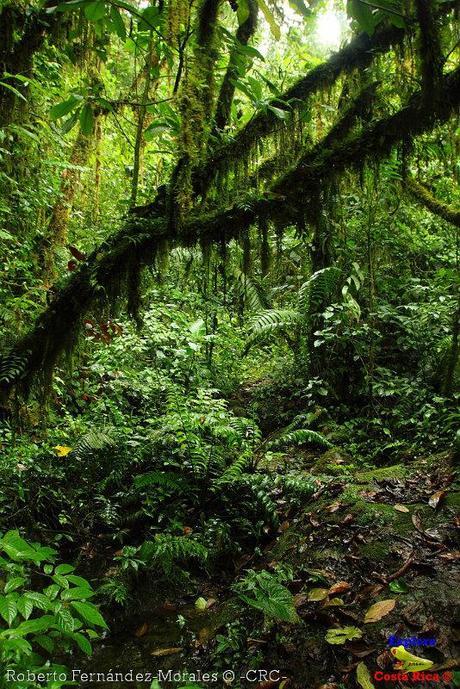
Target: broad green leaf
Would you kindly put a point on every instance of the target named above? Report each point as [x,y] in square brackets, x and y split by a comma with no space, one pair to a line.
[117,22]
[339,636]
[61,581]
[87,119]
[64,569]
[41,624]
[200,604]
[45,642]
[271,21]
[78,593]
[280,114]
[13,90]
[64,108]
[78,581]
[25,607]
[89,613]
[39,600]
[8,610]
[95,10]
[13,584]
[398,586]
[363,14]
[317,594]
[52,591]
[242,11]
[65,621]
[83,643]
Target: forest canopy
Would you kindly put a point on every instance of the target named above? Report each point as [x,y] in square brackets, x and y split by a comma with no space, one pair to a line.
[230,316]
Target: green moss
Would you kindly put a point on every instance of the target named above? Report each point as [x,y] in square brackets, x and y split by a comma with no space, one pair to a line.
[453,499]
[396,471]
[376,550]
[331,462]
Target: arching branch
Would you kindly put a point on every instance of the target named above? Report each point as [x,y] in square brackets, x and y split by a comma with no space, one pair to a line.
[114,264]
[423,195]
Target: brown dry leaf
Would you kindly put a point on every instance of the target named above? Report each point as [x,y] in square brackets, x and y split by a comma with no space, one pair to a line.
[417,522]
[187,530]
[348,518]
[451,556]
[142,630]
[210,602]
[313,521]
[284,526]
[204,635]
[384,658]
[436,498]
[360,652]
[165,651]
[339,587]
[333,507]
[401,508]
[300,599]
[317,594]
[167,606]
[370,590]
[379,610]
[328,686]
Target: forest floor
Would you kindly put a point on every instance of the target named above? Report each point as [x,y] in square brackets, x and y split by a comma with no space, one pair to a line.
[384,537]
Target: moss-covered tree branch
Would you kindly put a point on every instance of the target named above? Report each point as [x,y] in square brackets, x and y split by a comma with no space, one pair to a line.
[116,264]
[424,196]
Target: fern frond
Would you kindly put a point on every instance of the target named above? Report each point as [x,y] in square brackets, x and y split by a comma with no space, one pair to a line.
[271,321]
[166,550]
[251,289]
[161,479]
[235,470]
[299,437]
[319,287]
[93,442]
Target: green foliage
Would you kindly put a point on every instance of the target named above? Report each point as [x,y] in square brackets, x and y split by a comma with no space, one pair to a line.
[265,592]
[44,619]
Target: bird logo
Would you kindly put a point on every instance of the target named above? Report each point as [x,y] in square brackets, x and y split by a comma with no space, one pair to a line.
[408,662]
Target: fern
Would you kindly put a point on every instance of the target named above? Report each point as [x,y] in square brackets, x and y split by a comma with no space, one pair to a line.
[299,437]
[92,443]
[167,550]
[170,481]
[235,470]
[251,290]
[299,486]
[319,288]
[12,367]
[270,322]
[259,487]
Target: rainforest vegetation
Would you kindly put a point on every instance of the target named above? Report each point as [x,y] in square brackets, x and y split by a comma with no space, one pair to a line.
[229,343]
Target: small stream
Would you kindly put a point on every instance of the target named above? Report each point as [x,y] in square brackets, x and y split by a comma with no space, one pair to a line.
[149,644]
